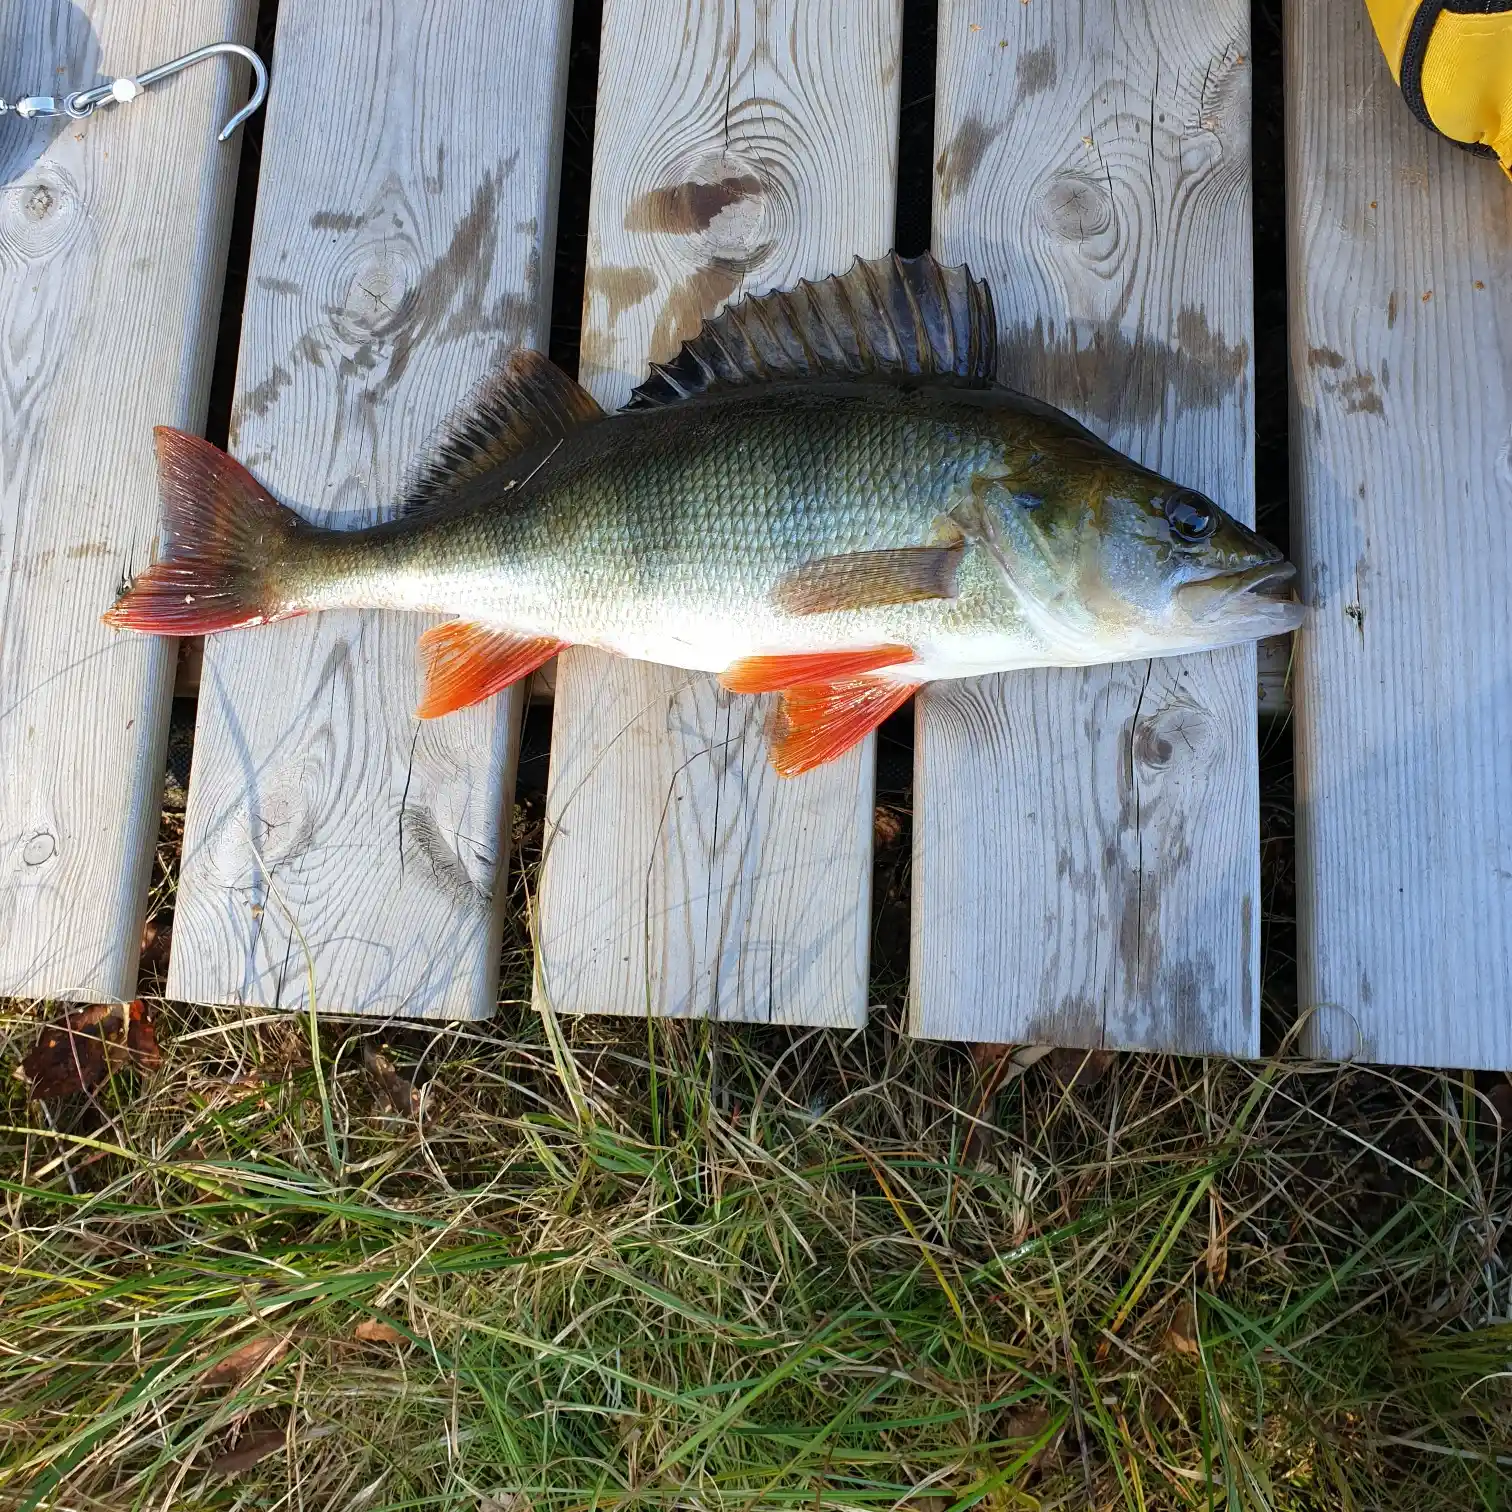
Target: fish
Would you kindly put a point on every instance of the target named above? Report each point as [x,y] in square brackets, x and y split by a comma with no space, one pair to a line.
[825,495]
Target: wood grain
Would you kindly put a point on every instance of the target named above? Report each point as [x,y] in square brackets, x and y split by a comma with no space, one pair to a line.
[1401,355]
[402,247]
[739,146]
[1086,843]
[112,248]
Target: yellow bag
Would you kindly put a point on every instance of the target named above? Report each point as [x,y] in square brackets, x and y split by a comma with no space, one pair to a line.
[1453,60]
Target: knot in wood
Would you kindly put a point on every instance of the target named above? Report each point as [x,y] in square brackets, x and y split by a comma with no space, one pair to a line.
[733,207]
[1177,733]
[741,226]
[39,847]
[1074,207]
[39,214]
[256,837]
[378,295]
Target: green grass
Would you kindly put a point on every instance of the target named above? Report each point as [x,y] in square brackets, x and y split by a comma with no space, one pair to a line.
[786,1281]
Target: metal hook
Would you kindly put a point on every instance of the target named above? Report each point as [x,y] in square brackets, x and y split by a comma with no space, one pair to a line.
[83,101]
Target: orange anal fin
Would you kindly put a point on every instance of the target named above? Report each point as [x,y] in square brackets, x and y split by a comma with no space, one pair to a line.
[771,674]
[466,662]
[820,721]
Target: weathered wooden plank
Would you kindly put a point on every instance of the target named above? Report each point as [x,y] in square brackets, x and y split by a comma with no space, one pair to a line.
[1401,342]
[402,246]
[112,247]
[739,146]
[1086,843]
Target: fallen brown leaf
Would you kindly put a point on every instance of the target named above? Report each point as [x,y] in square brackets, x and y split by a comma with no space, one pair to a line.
[1024,1422]
[251,1448]
[1501,1100]
[1182,1334]
[156,944]
[400,1094]
[887,827]
[374,1331]
[141,1037]
[985,1055]
[257,1354]
[78,1054]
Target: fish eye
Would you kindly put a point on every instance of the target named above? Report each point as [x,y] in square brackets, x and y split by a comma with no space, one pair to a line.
[1191,517]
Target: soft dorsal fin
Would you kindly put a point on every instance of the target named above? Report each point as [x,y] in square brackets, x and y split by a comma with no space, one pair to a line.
[525,402]
[888,317]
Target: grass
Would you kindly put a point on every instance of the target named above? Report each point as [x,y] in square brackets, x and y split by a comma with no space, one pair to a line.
[817,1270]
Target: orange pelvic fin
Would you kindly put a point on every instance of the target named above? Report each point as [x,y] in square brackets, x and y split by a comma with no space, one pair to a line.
[772,674]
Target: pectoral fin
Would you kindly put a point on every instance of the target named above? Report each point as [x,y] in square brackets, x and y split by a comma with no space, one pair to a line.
[466,662]
[865,579]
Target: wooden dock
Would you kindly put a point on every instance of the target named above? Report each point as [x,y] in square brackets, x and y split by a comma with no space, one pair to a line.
[1086,845]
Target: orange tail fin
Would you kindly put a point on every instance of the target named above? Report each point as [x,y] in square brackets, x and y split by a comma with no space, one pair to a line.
[226,538]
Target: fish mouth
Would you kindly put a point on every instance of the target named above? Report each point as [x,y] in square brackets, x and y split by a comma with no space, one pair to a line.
[1274,581]
[1263,595]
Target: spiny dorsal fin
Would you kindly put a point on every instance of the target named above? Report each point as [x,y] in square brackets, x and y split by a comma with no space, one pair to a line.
[524,402]
[887,317]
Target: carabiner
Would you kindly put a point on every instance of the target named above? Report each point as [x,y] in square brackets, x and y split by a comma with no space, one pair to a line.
[82,102]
